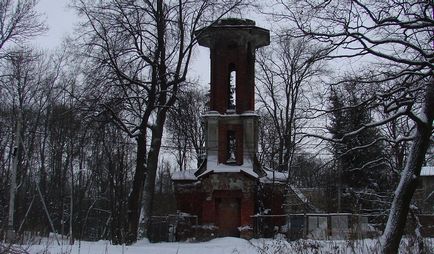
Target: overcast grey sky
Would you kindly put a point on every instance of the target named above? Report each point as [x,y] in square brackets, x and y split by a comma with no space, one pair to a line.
[61,20]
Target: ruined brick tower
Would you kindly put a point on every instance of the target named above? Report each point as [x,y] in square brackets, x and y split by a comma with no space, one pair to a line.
[231,121]
[222,191]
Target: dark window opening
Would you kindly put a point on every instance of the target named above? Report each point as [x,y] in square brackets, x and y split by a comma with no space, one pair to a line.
[232,84]
[232,148]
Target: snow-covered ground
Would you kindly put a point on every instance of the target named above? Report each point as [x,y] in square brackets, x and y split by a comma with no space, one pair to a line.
[227,245]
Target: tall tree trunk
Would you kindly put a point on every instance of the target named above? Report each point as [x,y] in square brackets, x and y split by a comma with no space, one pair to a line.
[153,156]
[407,185]
[135,197]
[13,186]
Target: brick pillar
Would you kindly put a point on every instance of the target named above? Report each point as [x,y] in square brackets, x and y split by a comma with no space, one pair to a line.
[239,137]
[222,143]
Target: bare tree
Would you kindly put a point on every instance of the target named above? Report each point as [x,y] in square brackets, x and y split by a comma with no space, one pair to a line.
[185,127]
[19,21]
[287,72]
[397,37]
[23,87]
[138,56]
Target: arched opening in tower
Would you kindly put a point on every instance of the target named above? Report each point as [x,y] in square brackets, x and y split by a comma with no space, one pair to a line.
[232,88]
[232,148]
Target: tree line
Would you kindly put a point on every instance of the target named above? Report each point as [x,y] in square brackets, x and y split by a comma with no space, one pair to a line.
[82,129]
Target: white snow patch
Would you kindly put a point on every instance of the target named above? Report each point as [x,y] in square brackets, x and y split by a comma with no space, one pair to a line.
[229,113]
[207,226]
[245,228]
[142,242]
[211,113]
[214,167]
[427,171]
[249,113]
[187,175]
[231,169]
[226,245]
[274,176]
[299,194]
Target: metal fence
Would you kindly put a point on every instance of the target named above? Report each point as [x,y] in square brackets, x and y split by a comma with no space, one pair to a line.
[336,226]
[317,226]
[171,228]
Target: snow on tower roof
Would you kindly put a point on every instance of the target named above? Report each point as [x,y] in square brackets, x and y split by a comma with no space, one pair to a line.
[427,171]
[274,176]
[222,168]
[186,175]
[212,166]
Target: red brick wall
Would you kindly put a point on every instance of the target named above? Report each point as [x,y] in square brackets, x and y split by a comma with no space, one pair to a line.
[247,208]
[209,205]
[201,199]
[229,185]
